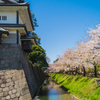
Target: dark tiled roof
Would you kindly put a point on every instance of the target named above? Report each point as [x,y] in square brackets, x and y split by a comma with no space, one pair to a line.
[9,1]
[12,1]
[12,25]
[15,25]
[29,36]
[3,31]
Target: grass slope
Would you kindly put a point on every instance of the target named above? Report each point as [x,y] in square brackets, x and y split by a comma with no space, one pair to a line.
[83,87]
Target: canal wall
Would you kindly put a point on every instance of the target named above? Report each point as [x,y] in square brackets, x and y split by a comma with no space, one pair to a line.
[19,80]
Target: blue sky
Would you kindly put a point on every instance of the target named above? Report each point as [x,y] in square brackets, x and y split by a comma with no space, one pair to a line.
[62,23]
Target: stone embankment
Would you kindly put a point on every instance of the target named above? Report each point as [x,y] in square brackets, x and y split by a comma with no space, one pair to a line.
[19,80]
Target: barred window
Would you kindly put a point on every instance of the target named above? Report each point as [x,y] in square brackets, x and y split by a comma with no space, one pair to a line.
[4,17]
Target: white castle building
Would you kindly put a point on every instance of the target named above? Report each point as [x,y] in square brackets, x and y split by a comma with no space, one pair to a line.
[19,79]
[16,24]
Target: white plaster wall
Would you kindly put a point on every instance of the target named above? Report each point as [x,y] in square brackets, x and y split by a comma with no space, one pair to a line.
[11,17]
[20,21]
[11,38]
[1,1]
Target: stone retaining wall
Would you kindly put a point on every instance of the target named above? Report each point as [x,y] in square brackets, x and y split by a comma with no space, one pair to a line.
[19,80]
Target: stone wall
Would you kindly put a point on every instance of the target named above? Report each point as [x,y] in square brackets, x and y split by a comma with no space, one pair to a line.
[19,80]
[11,38]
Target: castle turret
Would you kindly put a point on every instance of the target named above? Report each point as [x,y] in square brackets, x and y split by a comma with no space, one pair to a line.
[15,17]
[16,80]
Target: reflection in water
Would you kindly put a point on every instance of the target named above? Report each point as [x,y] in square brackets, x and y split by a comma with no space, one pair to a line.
[53,91]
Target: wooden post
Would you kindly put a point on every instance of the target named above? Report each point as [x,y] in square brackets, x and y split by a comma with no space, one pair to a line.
[0,38]
[17,37]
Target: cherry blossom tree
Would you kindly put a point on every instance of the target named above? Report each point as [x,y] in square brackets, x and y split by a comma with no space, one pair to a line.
[86,54]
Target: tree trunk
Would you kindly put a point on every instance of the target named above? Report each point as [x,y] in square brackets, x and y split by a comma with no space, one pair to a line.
[68,72]
[76,71]
[72,71]
[95,71]
[84,74]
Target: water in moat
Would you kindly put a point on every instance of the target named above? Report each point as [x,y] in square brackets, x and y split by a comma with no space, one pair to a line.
[53,91]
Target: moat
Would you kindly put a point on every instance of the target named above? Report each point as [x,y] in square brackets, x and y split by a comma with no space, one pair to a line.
[53,91]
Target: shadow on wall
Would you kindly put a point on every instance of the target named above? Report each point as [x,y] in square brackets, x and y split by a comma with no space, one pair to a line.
[34,75]
[10,57]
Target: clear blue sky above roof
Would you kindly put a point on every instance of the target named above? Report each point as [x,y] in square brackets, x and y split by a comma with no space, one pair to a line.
[62,23]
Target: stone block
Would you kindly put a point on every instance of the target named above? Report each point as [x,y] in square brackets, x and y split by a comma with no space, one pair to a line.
[14,91]
[6,89]
[5,94]
[6,76]
[1,72]
[21,84]
[2,54]
[10,92]
[7,61]
[10,75]
[25,97]
[16,82]
[11,83]
[1,66]
[9,80]
[7,84]
[11,87]
[24,92]
[1,94]
[2,77]
[6,65]
[4,81]
[3,85]
[17,94]
[1,58]
[0,90]
[13,96]
[8,97]
[4,98]
[15,99]
[14,78]
[2,62]
[16,86]
[19,90]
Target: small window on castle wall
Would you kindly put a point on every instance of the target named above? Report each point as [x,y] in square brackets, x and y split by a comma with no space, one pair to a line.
[4,17]
[0,17]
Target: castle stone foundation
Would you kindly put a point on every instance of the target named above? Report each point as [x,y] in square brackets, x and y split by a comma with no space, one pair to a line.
[19,80]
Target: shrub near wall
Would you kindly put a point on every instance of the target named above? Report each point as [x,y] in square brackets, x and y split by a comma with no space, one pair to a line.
[83,87]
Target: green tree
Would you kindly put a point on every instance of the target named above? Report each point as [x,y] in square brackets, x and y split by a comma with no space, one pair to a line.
[37,38]
[55,60]
[34,20]
[38,56]
[35,25]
